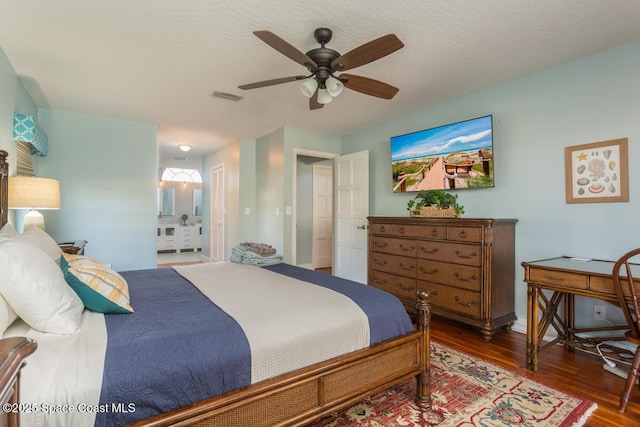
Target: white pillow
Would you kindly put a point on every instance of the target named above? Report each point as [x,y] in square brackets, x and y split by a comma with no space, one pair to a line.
[8,231]
[7,315]
[34,237]
[35,288]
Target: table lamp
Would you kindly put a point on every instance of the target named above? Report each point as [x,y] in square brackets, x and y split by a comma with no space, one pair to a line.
[33,193]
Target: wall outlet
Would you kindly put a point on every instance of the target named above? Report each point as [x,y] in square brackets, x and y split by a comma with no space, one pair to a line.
[599,312]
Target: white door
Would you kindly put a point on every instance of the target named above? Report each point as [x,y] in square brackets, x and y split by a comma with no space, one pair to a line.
[351,211]
[217,214]
[322,216]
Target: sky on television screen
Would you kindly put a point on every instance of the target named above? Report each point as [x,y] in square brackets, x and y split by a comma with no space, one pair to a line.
[469,135]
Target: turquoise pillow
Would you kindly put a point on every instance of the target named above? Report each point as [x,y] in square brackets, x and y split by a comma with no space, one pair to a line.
[114,300]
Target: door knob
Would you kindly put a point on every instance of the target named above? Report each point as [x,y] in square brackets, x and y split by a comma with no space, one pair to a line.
[362,227]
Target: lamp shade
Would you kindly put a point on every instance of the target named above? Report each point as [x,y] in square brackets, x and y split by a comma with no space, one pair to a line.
[324,97]
[33,193]
[334,86]
[308,87]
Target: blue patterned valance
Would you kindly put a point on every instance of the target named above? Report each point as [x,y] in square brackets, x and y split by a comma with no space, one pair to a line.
[26,129]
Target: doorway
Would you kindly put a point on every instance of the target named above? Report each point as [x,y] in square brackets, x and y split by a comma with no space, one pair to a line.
[217,214]
[313,209]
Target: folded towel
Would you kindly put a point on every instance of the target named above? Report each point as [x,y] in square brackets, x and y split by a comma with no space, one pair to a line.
[241,255]
[261,249]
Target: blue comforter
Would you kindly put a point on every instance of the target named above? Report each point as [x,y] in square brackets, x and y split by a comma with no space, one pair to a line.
[178,347]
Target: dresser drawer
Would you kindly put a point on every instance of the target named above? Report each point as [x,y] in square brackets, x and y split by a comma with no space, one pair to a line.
[453,299]
[461,276]
[558,278]
[395,264]
[403,247]
[464,234]
[450,252]
[386,229]
[421,231]
[402,287]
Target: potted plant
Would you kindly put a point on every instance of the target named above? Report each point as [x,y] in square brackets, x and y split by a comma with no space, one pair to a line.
[442,204]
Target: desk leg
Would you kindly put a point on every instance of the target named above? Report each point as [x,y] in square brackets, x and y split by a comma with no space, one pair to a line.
[569,320]
[532,327]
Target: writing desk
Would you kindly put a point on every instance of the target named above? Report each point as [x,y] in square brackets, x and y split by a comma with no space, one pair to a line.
[565,278]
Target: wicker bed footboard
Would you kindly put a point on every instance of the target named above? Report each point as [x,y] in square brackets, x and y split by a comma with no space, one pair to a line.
[304,395]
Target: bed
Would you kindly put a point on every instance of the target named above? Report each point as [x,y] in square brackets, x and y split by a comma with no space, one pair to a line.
[280,382]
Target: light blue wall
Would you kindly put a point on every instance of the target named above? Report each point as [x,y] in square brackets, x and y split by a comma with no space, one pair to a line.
[14,98]
[108,171]
[593,99]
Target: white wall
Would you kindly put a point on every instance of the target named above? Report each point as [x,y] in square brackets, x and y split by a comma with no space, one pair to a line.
[592,99]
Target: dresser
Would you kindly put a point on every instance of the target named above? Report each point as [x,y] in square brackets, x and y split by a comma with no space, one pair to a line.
[467,265]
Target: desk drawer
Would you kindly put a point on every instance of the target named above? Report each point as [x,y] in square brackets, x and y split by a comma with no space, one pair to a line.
[395,264]
[559,278]
[402,287]
[453,299]
[402,247]
[605,285]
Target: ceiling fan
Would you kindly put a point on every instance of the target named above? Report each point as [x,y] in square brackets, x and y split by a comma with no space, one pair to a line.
[321,85]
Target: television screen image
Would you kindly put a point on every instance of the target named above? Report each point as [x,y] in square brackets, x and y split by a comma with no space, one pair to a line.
[453,156]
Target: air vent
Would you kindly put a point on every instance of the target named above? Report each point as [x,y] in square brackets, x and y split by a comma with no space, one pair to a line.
[179,158]
[225,95]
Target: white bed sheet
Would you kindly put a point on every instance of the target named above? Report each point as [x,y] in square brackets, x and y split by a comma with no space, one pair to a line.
[61,382]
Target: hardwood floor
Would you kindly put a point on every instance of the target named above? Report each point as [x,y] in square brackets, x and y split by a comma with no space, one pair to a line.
[576,373]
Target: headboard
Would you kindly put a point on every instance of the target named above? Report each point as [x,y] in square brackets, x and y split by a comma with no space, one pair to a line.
[4,184]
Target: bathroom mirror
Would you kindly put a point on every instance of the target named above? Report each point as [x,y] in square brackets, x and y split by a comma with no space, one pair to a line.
[166,201]
[197,202]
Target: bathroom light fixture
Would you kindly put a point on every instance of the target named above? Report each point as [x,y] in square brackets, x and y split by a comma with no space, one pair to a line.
[185,147]
[33,193]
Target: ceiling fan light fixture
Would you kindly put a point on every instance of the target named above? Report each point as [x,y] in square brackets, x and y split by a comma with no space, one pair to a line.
[308,87]
[334,86]
[324,97]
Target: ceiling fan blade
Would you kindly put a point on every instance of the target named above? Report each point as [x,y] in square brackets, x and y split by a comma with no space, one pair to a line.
[313,101]
[369,86]
[271,82]
[285,48]
[367,52]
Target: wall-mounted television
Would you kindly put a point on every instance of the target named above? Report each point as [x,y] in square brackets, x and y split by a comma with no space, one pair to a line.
[453,156]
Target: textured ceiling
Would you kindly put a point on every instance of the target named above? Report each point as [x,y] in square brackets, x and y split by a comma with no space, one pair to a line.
[158,61]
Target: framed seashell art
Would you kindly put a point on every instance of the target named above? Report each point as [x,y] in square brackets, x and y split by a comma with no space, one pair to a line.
[597,172]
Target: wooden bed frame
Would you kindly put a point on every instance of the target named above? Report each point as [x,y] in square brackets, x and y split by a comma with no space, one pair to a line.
[291,399]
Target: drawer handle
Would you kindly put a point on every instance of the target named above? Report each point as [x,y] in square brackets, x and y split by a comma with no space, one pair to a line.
[427,251]
[376,262]
[382,229]
[405,268]
[471,255]
[410,248]
[405,287]
[462,234]
[462,279]
[434,271]
[433,293]
[434,232]
[380,244]
[380,282]
[469,304]
[400,230]
[559,279]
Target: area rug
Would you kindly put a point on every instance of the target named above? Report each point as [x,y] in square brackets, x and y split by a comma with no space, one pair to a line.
[466,391]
